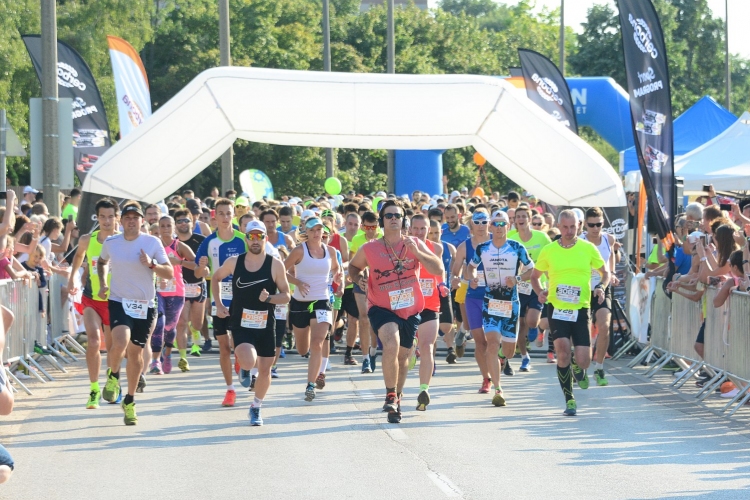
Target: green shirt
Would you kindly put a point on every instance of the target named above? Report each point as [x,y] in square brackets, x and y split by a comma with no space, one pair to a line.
[70,209]
[569,272]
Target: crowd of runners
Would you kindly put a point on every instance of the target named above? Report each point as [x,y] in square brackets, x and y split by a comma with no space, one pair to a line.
[386,275]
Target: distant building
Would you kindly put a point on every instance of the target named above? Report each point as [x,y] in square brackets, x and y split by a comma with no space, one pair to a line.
[366,4]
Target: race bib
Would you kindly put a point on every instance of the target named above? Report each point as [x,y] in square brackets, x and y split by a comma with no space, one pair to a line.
[167,286]
[427,286]
[565,314]
[480,280]
[524,287]
[501,308]
[596,278]
[137,309]
[256,320]
[225,291]
[281,312]
[324,316]
[569,294]
[192,290]
[401,299]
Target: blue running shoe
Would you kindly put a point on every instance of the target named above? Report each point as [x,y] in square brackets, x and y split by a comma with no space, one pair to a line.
[525,364]
[119,398]
[282,354]
[373,359]
[274,373]
[244,378]
[207,346]
[255,418]
[366,366]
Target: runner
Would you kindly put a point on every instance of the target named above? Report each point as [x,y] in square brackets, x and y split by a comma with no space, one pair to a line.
[134,258]
[196,212]
[602,312]
[568,264]
[226,242]
[341,245]
[502,260]
[152,213]
[433,289]
[278,239]
[258,285]
[95,309]
[348,300]
[533,240]
[196,292]
[475,296]
[394,296]
[310,307]
[446,306]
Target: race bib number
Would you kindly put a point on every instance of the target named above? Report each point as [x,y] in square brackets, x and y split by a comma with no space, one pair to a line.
[192,290]
[324,316]
[401,299]
[256,320]
[596,278]
[167,286]
[281,312]
[565,314]
[225,291]
[501,308]
[569,294]
[137,309]
[427,286]
[524,287]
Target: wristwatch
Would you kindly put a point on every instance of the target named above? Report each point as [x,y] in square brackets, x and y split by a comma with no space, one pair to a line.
[268,299]
[152,265]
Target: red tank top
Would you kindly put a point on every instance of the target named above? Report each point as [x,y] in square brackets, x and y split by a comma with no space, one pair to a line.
[429,285]
[394,279]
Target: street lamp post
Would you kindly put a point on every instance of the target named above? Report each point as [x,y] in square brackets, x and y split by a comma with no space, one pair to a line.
[225,56]
[390,68]
[327,67]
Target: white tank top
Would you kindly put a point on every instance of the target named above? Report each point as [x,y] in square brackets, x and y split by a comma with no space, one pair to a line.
[314,272]
[605,250]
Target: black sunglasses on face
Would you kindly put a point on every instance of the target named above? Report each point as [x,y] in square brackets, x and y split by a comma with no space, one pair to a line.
[594,224]
[392,216]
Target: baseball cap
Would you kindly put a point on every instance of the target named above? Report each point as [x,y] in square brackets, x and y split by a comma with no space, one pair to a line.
[241,201]
[131,208]
[29,189]
[193,206]
[328,213]
[695,236]
[306,214]
[500,215]
[478,215]
[579,214]
[312,222]
[255,225]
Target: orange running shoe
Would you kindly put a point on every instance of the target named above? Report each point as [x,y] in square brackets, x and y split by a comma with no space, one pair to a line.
[230,398]
[485,389]
[236,367]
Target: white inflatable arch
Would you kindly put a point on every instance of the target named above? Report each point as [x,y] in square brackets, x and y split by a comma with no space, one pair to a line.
[354,110]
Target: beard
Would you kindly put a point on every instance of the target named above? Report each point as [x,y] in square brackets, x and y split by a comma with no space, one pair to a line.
[256,250]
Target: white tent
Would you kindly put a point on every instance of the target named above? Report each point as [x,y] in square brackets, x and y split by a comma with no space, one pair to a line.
[354,110]
[723,161]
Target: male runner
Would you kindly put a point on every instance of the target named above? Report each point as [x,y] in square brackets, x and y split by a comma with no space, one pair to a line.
[196,212]
[394,296]
[602,312]
[568,263]
[531,309]
[278,239]
[95,309]
[226,242]
[502,260]
[258,285]
[135,258]
[286,214]
[446,306]
[455,233]
[348,300]
[152,213]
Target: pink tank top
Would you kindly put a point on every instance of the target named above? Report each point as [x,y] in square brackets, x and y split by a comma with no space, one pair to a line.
[176,286]
[429,285]
[394,279]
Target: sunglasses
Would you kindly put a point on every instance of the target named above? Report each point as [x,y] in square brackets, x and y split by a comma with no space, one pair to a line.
[499,223]
[478,222]
[369,228]
[393,216]
[255,236]
[594,224]
[183,221]
[536,224]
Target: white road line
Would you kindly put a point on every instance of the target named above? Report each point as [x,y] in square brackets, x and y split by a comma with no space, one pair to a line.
[366,394]
[445,484]
[397,434]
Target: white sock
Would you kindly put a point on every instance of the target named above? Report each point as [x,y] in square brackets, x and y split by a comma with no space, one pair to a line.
[254,372]
[230,387]
[526,356]
[598,366]
[323,365]
[373,351]
[257,403]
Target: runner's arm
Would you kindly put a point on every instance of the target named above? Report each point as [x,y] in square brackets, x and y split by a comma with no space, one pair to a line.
[225,270]
[356,265]
[431,262]
[187,255]
[295,256]
[606,276]
[101,271]
[458,262]
[536,284]
[83,244]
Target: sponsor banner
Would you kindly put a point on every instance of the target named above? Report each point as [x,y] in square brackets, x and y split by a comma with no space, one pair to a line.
[641,291]
[75,81]
[546,86]
[131,85]
[650,108]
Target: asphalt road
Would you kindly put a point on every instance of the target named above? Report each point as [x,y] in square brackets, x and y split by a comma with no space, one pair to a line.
[632,439]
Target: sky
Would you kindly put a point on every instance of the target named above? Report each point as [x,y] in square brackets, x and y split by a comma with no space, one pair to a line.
[739,10]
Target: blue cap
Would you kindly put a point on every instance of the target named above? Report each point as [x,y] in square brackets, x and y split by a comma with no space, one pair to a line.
[312,222]
[480,216]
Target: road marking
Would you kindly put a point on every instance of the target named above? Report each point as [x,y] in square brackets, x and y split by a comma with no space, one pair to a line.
[396,434]
[445,484]
[366,394]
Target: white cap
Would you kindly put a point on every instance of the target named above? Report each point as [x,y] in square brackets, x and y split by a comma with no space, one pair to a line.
[695,236]
[29,189]
[306,214]
[255,225]
[579,214]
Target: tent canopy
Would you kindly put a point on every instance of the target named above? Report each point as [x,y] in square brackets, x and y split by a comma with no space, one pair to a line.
[700,123]
[354,110]
[723,162]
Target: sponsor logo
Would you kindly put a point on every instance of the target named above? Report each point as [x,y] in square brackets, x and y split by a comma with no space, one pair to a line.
[240,284]
[135,115]
[81,108]
[618,228]
[67,76]
[547,89]
[648,76]
[642,36]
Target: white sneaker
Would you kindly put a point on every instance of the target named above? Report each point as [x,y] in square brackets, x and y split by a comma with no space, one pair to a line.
[681,373]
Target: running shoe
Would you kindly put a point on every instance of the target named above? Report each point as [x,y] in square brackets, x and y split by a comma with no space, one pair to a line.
[570,408]
[310,392]
[255,418]
[373,360]
[349,360]
[702,381]
[130,417]
[252,382]
[551,357]
[207,346]
[416,353]
[195,351]
[282,353]
[460,343]
[498,399]
[274,373]
[525,364]
[167,364]
[229,398]
[508,370]
[671,366]
[183,365]
[111,388]
[244,378]
[580,375]
[394,417]
[423,400]
[450,358]
[366,366]
[155,368]
[93,402]
[141,384]
[236,366]
[460,351]
[320,382]
[601,380]
[391,403]
[119,397]
[485,389]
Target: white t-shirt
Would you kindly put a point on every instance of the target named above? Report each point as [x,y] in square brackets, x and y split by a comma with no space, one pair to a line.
[130,279]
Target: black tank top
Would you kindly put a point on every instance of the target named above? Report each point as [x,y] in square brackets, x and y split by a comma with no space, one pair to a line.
[188,275]
[248,312]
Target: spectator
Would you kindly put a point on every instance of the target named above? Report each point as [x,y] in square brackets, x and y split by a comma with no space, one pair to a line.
[6,396]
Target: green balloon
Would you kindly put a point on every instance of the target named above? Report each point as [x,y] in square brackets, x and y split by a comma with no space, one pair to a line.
[333,186]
